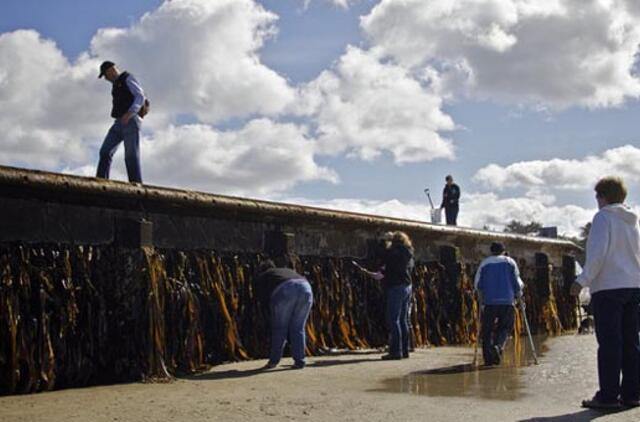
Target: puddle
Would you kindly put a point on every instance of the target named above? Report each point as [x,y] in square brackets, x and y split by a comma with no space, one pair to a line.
[502,382]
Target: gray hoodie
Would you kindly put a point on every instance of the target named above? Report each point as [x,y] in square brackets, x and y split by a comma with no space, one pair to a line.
[613,250]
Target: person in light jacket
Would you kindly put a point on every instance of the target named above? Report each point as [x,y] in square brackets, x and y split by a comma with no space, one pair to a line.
[498,284]
[612,272]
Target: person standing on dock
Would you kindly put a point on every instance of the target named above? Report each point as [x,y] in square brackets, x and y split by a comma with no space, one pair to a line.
[450,201]
[612,272]
[499,285]
[128,108]
[290,299]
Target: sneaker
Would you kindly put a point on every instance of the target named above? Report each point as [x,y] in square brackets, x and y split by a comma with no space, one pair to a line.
[390,357]
[405,355]
[595,403]
[497,354]
[270,365]
[298,365]
[630,402]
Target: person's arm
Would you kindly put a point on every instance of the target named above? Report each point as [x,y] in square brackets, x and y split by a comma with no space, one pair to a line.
[478,277]
[597,247]
[138,98]
[444,197]
[455,193]
[518,284]
[478,288]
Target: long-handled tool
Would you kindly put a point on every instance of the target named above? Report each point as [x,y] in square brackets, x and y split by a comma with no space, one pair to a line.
[436,213]
[526,324]
[475,363]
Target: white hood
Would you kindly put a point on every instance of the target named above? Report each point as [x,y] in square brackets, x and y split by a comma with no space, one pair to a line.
[613,250]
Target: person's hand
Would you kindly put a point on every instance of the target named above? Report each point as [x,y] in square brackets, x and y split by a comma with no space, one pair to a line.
[575,289]
[125,119]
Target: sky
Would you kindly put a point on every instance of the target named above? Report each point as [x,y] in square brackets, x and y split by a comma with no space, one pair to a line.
[350,104]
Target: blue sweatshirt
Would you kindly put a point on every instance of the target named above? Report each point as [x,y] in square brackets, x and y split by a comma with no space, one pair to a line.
[498,278]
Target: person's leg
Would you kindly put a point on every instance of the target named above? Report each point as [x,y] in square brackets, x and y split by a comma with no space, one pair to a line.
[131,134]
[282,304]
[630,391]
[298,322]
[448,215]
[404,322]
[108,148]
[454,216]
[395,298]
[506,318]
[607,312]
[488,318]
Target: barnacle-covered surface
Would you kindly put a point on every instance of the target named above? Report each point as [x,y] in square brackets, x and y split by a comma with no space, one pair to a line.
[79,315]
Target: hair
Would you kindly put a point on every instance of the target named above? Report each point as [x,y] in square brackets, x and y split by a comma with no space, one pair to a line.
[265,265]
[449,177]
[496,248]
[285,260]
[403,239]
[612,189]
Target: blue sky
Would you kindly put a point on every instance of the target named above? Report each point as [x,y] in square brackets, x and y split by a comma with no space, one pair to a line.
[305,101]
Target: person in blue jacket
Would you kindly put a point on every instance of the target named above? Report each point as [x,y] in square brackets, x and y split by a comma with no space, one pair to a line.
[498,285]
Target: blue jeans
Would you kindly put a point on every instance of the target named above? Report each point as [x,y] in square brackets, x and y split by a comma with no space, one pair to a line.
[397,315]
[497,324]
[290,303]
[615,313]
[130,134]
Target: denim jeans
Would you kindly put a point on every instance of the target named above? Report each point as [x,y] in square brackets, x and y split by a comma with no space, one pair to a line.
[130,134]
[615,314]
[290,303]
[397,315]
[497,324]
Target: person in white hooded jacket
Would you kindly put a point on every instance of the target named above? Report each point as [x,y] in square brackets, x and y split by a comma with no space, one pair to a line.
[612,272]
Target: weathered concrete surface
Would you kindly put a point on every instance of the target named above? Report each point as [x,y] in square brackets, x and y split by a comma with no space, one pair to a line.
[39,207]
[357,387]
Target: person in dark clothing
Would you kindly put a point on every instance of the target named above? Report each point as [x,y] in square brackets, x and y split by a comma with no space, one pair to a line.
[290,298]
[450,198]
[398,265]
[128,99]
[498,284]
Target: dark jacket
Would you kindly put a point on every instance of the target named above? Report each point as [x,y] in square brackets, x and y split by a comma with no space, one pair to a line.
[398,265]
[122,98]
[450,196]
[267,282]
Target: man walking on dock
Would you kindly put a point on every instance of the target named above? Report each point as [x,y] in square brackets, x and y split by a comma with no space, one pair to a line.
[498,285]
[129,106]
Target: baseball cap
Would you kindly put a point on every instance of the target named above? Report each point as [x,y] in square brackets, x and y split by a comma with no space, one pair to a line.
[104,67]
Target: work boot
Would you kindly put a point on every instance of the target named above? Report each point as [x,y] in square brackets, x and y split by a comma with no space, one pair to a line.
[390,357]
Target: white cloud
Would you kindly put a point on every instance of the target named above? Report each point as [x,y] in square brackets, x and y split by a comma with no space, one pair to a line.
[47,105]
[480,209]
[477,210]
[364,107]
[555,53]
[344,4]
[564,174]
[262,157]
[200,57]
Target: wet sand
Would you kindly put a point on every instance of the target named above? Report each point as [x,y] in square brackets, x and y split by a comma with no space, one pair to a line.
[437,384]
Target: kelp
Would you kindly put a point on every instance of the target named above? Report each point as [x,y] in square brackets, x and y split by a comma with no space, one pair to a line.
[74,316]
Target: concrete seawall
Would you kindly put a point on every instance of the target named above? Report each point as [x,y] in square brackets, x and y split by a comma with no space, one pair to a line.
[105,281]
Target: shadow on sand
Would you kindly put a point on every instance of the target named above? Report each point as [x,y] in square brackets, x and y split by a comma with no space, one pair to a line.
[235,373]
[581,416]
